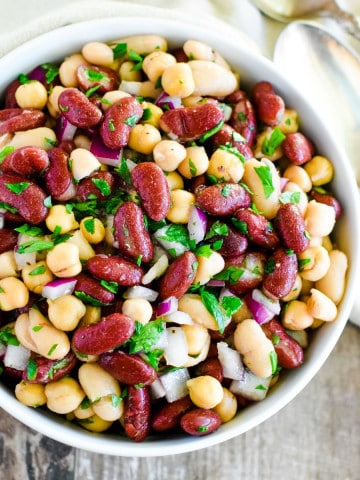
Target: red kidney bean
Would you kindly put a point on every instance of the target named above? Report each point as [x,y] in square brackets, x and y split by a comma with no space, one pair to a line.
[228,135]
[290,354]
[118,121]
[233,244]
[169,415]
[131,234]
[24,195]
[290,225]
[18,119]
[10,100]
[257,227]
[77,108]
[297,148]
[280,273]
[46,370]
[270,108]
[8,239]
[179,276]
[245,271]
[137,413]
[200,422]
[99,185]
[212,367]
[26,161]
[91,287]
[128,368]
[58,179]
[243,119]
[115,269]
[262,87]
[328,199]
[223,198]
[103,78]
[97,338]
[191,123]
[151,184]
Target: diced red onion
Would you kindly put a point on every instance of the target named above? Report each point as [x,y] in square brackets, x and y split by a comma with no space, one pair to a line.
[161,342]
[259,312]
[23,260]
[176,351]
[283,183]
[174,383]
[166,307]
[104,154]
[215,283]
[251,386]
[2,221]
[165,100]
[2,350]
[197,224]
[157,389]
[156,270]
[270,303]
[58,288]
[231,362]
[179,317]
[64,130]
[17,357]
[139,291]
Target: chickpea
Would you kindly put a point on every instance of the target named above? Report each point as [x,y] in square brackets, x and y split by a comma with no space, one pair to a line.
[140,89]
[53,101]
[50,342]
[98,53]
[109,98]
[92,229]
[43,137]
[298,175]
[92,315]
[63,260]
[314,263]
[31,94]
[68,69]
[168,154]
[205,391]
[64,395]
[320,170]
[257,350]
[30,394]
[320,306]
[295,291]
[227,408]
[96,424]
[144,137]
[83,411]
[196,338]
[8,266]
[144,44]
[128,73]
[297,316]
[337,270]
[22,332]
[208,266]
[289,122]
[196,50]
[65,312]
[223,81]
[82,141]
[77,238]
[191,303]
[13,294]
[293,189]
[175,181]
[36,276]
[195,163]
[155,63]
[60,218]
[181,201]
[226,166]
[319,219]
[152,113]
[261,151]
[83,163]
[177,80]
[138,309]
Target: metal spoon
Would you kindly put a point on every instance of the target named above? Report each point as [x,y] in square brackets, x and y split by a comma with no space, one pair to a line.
[288,10]
[329,74]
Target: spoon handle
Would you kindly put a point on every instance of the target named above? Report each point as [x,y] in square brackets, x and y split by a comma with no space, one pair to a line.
[345,19]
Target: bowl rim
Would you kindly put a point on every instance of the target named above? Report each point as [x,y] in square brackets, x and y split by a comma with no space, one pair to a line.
[72,37]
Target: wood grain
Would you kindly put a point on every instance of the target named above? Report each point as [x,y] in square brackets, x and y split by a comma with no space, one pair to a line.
[315,437]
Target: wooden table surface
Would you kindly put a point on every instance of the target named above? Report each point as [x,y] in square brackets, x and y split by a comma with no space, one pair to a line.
[315,437]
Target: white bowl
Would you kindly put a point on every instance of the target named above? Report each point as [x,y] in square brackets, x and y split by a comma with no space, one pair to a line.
[53,46]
